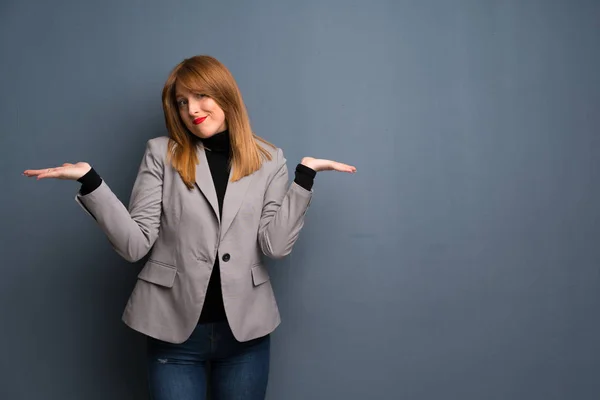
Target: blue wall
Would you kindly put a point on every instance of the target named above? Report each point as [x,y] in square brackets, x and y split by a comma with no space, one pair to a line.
[460,262]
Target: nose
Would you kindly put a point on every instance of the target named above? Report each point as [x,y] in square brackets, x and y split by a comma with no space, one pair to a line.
[193,107]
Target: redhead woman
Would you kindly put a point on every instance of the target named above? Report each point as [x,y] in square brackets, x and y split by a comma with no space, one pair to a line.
[210,200]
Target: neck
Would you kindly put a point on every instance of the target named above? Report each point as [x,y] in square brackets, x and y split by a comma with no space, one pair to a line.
[218,142]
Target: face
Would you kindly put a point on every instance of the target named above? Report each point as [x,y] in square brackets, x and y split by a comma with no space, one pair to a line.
[200,113]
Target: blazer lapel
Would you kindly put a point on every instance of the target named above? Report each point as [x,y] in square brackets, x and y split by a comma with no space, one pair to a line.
[205,182]
[234,196]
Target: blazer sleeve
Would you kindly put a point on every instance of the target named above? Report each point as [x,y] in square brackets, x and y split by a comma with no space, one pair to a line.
[133,231]
[283,212]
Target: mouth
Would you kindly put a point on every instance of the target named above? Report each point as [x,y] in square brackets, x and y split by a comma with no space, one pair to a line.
[198,121]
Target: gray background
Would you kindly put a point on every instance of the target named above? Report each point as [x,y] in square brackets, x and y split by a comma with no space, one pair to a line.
[460,262]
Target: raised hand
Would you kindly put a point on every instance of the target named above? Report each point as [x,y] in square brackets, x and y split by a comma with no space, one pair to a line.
[67,171]
[327,165]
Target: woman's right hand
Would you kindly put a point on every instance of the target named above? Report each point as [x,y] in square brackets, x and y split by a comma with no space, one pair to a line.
[67,171]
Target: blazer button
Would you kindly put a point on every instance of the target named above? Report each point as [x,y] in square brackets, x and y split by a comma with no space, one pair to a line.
[226,257]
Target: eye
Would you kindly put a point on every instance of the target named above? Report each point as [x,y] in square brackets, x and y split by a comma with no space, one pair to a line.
[181,102]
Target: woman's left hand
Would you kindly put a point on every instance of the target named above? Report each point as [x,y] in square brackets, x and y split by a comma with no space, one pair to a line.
[327,165]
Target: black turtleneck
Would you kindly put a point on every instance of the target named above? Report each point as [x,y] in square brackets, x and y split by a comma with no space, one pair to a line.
[217,150]
[218,154]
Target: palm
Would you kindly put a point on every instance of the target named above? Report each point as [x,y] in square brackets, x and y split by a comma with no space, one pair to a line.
[327,165]
[66,171]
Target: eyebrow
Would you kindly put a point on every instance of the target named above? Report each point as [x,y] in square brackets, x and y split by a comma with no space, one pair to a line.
[178,94]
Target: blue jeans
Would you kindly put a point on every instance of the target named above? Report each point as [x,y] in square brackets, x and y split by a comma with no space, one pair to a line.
[211,360]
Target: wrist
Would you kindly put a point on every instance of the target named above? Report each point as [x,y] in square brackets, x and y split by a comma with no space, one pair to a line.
[309,162]
[89,182]
[87,169]
[305,176]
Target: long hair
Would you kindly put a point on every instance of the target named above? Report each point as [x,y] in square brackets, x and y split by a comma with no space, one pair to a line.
[206,75]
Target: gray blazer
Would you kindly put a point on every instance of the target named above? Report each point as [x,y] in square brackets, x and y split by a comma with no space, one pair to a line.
[181,229]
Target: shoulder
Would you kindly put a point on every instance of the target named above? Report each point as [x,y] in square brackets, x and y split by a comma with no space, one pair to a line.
[157,147]
[158,144]
[276,153]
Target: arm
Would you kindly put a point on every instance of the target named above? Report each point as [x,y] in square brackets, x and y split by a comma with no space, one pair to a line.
[131,232]
[283,210]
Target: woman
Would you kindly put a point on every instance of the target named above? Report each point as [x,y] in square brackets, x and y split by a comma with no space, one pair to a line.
[207,203]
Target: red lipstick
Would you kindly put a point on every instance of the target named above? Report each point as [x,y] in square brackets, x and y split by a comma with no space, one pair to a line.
[198,121]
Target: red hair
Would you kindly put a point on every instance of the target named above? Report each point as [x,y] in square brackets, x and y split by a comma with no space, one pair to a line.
[206,75]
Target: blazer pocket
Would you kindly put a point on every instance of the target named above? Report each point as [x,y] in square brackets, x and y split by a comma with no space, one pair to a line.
[158,273]
[259,274]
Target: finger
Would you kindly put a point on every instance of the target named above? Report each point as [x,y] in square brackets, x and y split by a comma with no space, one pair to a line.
[34,172]
[48,175]
[344,168]
[45,173]
[351,168]
[67,165]
[51,173]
